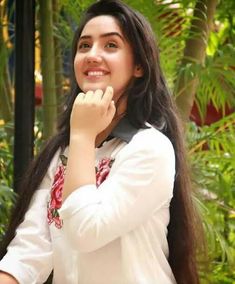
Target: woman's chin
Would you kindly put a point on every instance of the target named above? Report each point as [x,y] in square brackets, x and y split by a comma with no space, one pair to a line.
[94,87]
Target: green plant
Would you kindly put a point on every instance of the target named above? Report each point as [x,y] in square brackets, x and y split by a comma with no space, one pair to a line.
[212,153]
[7,195]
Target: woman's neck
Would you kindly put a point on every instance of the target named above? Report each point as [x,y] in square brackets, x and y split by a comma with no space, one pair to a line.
[120,112]
[105,133]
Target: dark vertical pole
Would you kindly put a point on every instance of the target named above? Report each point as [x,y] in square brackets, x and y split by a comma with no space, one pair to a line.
[24,87]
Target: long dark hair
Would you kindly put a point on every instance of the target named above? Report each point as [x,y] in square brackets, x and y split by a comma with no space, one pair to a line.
[148,100]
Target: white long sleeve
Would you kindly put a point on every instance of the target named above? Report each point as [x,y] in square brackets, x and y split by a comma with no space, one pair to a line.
[140,182]
[29,255]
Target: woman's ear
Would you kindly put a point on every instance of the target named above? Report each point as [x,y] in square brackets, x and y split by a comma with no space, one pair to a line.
[138,72]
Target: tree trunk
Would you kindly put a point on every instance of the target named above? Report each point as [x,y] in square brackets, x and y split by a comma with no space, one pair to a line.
[5,106]
[58,59]
[48,68]
[194,53]
[5,86]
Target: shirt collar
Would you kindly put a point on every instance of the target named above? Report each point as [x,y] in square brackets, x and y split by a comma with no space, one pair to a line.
[124,130]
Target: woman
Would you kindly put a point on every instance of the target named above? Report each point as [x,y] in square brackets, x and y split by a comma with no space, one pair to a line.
[108,199]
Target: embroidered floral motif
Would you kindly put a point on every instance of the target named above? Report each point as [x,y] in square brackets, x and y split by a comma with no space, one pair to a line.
[102,170]
[56,198]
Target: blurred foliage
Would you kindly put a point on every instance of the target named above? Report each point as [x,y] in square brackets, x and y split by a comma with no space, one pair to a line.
[7,195]
[212,154]
[211,147]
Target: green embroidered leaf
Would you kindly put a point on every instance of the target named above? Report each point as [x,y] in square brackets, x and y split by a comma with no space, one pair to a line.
[63,159]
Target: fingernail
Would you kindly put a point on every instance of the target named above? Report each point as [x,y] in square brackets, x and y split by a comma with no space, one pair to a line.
[110,89]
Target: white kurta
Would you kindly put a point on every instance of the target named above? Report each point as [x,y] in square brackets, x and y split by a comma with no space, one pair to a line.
[113,234]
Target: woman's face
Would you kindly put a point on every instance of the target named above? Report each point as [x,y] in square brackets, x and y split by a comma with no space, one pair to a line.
[104,57]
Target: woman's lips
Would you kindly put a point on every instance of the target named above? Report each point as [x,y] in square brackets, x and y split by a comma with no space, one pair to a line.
[95,74]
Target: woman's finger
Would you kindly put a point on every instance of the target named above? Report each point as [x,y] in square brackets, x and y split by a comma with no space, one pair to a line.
[80,97]
[108,96]
[98,94]
[89,96]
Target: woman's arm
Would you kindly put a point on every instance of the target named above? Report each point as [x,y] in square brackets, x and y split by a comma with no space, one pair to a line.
[140,183]
[6,278]
[29,254]
[141,180]
[91,114]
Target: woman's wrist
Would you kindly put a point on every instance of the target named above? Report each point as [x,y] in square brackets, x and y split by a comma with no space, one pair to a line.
[6,278]
[81,137]
[80,168]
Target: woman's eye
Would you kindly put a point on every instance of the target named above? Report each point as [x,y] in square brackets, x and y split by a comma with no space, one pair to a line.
[83,46]
[111,45]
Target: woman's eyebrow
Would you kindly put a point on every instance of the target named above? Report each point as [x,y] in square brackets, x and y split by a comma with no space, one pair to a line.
[104,35]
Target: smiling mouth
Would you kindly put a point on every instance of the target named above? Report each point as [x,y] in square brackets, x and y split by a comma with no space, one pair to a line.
[96,73]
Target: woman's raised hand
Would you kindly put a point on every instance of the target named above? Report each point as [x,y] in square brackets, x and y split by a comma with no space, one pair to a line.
[6,278]
[92,112]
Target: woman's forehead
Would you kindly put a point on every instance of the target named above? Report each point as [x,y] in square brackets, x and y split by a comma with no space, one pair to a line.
[103,24]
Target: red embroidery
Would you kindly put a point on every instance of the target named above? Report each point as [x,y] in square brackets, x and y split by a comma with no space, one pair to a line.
[102,170]
[56,198]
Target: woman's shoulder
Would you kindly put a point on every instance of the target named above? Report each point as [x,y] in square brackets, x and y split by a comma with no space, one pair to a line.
[149,143]
[56,158]
[53,165]
[151,138]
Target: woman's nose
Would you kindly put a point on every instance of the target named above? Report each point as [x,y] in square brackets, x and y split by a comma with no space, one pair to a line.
[94,55]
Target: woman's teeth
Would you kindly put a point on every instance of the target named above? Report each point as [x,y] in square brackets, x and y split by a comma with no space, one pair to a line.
[95,73]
